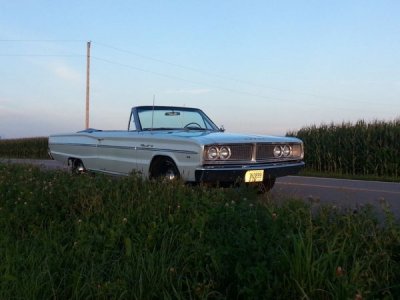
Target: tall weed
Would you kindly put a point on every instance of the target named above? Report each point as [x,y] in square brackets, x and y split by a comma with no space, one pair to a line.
[64,236]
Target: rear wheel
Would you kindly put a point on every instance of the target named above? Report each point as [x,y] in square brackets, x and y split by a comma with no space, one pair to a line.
[76,166]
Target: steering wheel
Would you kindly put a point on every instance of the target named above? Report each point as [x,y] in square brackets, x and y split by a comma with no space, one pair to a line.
[192,123]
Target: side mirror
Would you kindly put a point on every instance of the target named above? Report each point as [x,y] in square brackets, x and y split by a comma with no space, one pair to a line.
[222,128]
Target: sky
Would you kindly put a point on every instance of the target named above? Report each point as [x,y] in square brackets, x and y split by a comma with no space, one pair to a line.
[264,67]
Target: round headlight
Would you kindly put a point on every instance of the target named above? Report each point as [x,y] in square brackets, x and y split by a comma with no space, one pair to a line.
[286,151]
[277,151]
[224,153]
[212,153]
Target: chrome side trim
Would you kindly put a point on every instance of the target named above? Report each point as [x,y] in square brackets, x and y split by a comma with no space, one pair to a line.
[127,148]
[72,144]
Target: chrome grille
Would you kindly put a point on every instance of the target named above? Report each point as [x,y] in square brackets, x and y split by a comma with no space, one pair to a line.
[254,153]
[265,151]
[241,152]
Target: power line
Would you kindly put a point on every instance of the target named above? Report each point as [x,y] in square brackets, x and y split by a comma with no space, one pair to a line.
[183,79]
[41,55]
[41,41]
[235,91]
[221,76]
[174,65]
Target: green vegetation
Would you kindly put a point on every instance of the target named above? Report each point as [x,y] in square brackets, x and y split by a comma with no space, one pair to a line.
[35,148]
[366,149]
[64,236]
[311,173]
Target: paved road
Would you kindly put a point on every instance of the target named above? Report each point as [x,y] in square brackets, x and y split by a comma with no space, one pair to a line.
[340,192]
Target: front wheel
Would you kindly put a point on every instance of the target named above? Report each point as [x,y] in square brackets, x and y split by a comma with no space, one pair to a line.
[164,169]
[170,172]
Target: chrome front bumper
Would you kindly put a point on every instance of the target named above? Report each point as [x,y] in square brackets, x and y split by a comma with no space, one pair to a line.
[232,173]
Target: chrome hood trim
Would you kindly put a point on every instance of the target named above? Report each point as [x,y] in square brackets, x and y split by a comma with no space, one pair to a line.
[236,138]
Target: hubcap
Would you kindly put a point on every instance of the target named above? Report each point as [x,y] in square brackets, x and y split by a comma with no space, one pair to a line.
[80,168]
[170,174]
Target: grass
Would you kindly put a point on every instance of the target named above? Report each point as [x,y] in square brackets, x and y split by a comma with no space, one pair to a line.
[64,236]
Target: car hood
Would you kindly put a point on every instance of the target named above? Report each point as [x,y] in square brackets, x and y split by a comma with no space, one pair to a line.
[207,138]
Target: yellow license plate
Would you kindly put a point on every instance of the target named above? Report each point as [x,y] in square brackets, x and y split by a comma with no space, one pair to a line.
[254,176]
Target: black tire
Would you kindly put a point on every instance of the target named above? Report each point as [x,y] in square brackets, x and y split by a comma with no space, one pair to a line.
[164,169]
[77,166]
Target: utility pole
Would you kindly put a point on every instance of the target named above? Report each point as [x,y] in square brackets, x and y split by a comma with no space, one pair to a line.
[87,83]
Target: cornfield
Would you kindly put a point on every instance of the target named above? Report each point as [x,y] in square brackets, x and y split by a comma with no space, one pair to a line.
[362,148]
[24,148]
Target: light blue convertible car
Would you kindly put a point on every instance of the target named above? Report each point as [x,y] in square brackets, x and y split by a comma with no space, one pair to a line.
[180,142]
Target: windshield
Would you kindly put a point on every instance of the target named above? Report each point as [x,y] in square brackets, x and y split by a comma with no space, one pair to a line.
[174,118]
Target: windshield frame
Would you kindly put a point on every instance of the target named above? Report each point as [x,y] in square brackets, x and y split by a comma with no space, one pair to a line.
[135,118]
